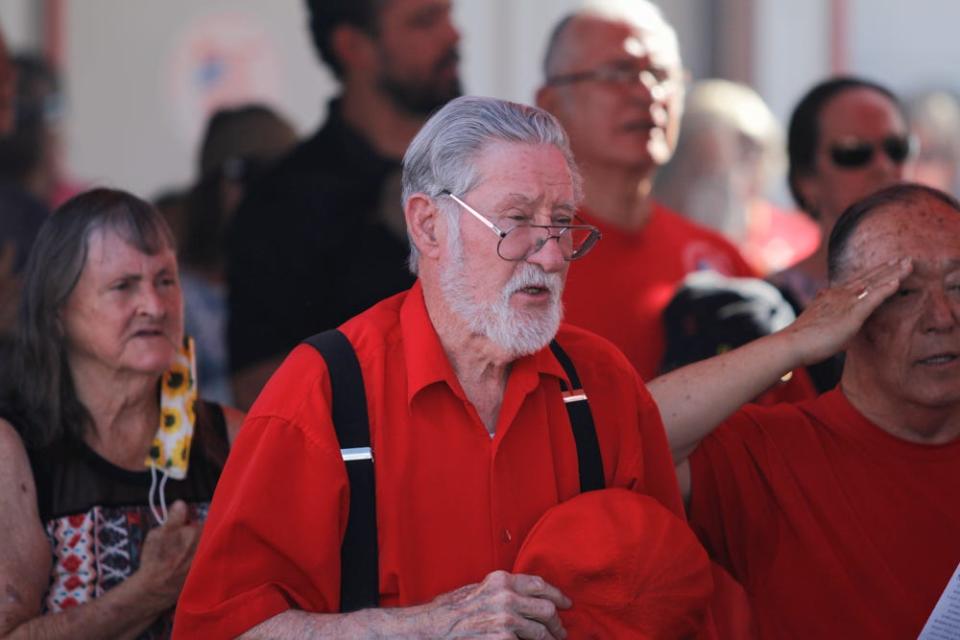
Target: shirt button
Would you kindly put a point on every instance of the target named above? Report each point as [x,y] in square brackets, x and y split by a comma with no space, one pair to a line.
[507,538]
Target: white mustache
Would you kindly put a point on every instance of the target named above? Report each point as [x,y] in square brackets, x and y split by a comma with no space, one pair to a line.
[528,275]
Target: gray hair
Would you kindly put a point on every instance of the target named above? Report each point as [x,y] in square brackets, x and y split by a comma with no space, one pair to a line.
[442,153]
[38,385]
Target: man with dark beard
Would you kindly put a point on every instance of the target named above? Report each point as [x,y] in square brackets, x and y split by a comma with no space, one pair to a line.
[470,404]
[322,237]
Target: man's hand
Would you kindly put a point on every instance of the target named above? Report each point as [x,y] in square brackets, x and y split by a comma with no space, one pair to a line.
[167,553]
[693,400]
[837,313]
[504,605]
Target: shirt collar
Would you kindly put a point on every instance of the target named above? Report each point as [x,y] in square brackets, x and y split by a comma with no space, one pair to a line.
[427,362]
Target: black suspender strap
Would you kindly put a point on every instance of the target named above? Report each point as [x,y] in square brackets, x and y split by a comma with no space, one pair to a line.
[359,554]
[581,422]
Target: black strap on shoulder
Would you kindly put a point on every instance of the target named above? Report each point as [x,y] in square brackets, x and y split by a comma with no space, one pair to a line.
[581,422]
[359,554]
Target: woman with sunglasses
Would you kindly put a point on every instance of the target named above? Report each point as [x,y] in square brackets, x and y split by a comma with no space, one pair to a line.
[848,138]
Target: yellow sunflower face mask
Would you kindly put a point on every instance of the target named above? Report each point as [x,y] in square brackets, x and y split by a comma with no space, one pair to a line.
[170,451]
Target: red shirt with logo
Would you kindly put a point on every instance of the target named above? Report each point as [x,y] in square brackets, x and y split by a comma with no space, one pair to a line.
[621,288]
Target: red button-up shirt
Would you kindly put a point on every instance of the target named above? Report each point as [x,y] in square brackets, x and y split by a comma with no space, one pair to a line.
[453,503]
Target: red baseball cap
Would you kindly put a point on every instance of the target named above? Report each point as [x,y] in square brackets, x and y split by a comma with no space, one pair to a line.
[632,568]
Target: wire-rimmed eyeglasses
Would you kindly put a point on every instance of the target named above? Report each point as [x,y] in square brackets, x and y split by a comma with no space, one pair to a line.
[656,79]
[525,239]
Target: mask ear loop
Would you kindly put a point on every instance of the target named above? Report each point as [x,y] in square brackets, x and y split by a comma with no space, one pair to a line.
[159,514]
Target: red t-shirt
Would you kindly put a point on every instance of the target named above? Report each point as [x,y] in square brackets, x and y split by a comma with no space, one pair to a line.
[620,290]
[836,528]
[453,503]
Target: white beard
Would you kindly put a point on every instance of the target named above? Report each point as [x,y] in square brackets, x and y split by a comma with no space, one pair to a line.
[518,331]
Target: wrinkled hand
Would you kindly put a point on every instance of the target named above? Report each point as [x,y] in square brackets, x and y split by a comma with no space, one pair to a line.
[167,553]
[504,605]
[837,313]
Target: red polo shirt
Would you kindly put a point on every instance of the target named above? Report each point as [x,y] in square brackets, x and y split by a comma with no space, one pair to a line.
[453,503]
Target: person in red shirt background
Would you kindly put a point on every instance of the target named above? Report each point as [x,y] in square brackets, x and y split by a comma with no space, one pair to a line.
[614,80]
[730,154]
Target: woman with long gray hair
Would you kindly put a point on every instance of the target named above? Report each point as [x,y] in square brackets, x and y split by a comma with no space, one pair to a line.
[101,430]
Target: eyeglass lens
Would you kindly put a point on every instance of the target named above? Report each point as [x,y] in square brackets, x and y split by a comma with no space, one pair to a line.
[851,155]
[525,240]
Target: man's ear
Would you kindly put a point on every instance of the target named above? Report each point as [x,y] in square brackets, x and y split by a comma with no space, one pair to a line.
[353,47]
[423,217]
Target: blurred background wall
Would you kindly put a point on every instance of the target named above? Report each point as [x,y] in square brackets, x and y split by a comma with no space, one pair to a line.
[140,76]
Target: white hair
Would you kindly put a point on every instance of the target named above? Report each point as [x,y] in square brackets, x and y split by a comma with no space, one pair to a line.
[517,331]
[441,155]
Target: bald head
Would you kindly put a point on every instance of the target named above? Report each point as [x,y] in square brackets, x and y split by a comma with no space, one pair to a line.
[921,207]
[901,368]
[565,45]
[614,80]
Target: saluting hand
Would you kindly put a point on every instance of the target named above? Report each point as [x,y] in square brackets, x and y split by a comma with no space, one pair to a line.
[837,313]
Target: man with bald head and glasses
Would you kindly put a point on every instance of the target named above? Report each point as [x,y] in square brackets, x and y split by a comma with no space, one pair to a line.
[477,400]
[614,79]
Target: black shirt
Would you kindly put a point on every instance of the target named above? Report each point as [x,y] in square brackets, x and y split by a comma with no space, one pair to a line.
[310,247]
[21,216]
[96,515]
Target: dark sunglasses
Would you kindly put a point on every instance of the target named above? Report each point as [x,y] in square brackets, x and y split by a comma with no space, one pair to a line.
[854,153]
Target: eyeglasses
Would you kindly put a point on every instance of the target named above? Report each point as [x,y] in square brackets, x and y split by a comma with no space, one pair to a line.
[854,153]
[619,74]
[524,240]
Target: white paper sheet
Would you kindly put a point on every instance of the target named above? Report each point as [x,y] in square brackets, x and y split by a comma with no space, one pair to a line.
[944,622]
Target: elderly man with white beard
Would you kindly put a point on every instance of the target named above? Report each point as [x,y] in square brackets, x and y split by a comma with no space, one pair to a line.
[475,396]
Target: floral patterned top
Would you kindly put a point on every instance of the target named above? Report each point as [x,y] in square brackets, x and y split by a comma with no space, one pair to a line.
[96,516]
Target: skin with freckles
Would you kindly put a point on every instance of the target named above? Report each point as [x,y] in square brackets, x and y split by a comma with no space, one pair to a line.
[903,368]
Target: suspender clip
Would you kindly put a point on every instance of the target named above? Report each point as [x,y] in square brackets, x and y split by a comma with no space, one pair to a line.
[357,453]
